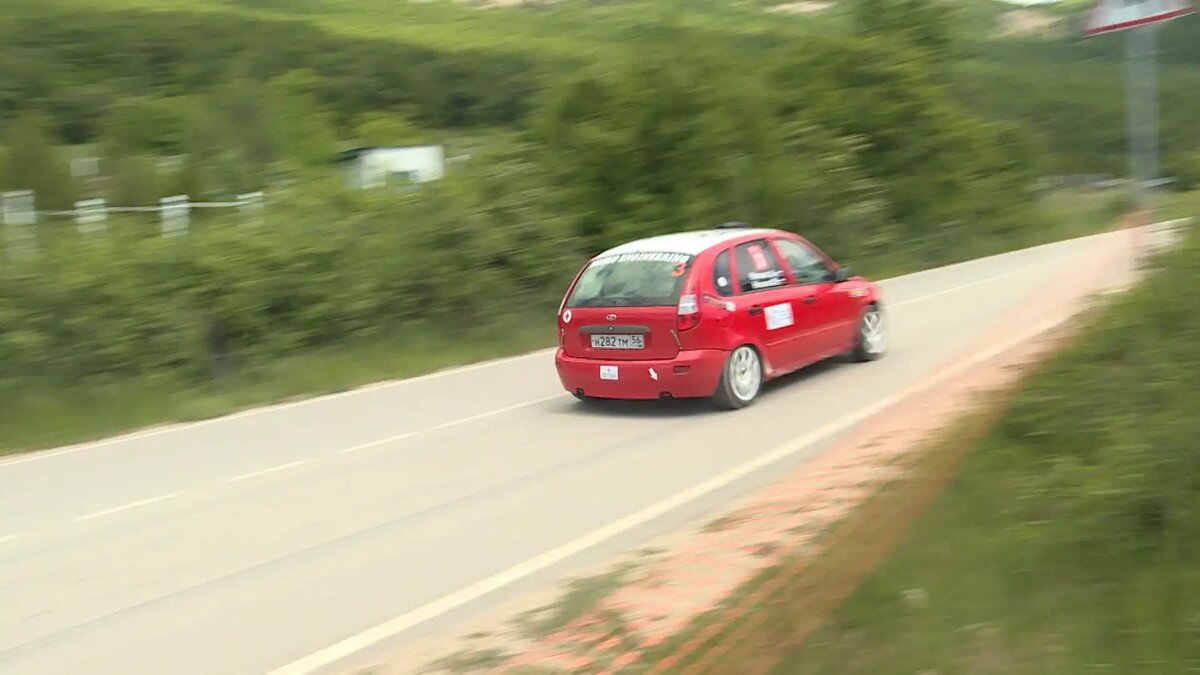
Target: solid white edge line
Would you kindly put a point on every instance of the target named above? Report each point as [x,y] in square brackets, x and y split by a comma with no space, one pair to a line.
[126,507]
[167,428]
[268,470]
[356,643]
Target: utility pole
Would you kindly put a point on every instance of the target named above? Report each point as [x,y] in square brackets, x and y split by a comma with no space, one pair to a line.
[1140,20]
[1142,87]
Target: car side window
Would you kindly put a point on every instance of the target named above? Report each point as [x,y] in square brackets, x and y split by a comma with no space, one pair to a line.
[807,266]
[757,267]
[723,275]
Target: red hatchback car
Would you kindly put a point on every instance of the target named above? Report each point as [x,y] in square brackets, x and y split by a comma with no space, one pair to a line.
[712,313]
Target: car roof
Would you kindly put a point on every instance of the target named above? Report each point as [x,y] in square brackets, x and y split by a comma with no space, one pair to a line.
[688,243]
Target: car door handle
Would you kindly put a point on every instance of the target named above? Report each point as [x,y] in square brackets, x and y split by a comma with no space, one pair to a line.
[810,300]
[757,309]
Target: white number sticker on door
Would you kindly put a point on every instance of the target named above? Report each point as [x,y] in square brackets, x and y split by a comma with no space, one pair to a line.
[779,316]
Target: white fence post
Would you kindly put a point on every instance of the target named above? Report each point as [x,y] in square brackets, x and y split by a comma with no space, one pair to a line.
[174,212]
[91,215]
[19,217]
[251,206]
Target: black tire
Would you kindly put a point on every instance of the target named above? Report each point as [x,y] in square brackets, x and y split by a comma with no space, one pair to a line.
[741,379]
[866,348]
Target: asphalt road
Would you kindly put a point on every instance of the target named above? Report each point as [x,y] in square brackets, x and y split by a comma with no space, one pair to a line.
[248,543]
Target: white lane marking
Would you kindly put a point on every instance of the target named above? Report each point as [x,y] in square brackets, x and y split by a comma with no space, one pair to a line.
[8,537]
[169,428]
[157,431]
[1025,269]
[270,469]
[357,643]
[126,507]
[447,425]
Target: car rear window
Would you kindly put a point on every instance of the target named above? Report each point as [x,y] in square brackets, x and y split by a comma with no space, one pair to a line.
[631,280]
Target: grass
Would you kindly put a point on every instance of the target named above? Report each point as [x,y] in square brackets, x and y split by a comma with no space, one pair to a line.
[1068,543]
[1173,205]
[582,596]
[472,660]
[1078,213]
[1067,214]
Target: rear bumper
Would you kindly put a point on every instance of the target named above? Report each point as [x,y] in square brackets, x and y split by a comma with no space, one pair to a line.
[691,374]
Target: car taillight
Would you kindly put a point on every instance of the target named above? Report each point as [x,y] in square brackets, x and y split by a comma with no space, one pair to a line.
[689,311]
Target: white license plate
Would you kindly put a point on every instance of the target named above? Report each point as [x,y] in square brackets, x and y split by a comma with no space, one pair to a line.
[618,342]
[608,372]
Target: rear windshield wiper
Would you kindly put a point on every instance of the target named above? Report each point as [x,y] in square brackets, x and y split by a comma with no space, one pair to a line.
[621,301]
[641,301]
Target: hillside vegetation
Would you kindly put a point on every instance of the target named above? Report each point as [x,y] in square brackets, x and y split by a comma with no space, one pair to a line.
[877,129]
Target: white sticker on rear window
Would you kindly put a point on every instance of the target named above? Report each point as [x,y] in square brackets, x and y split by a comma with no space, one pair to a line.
[779,316]
[769,279]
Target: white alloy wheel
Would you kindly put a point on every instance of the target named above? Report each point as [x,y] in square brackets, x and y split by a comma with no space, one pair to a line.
[745,372]
[872,334]
[741,379]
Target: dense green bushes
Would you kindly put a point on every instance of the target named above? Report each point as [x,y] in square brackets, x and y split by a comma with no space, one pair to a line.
[853,141]
[1109,429]
[673,142]
[1078,111]
[75,64]
[321,269]
[1071,91]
